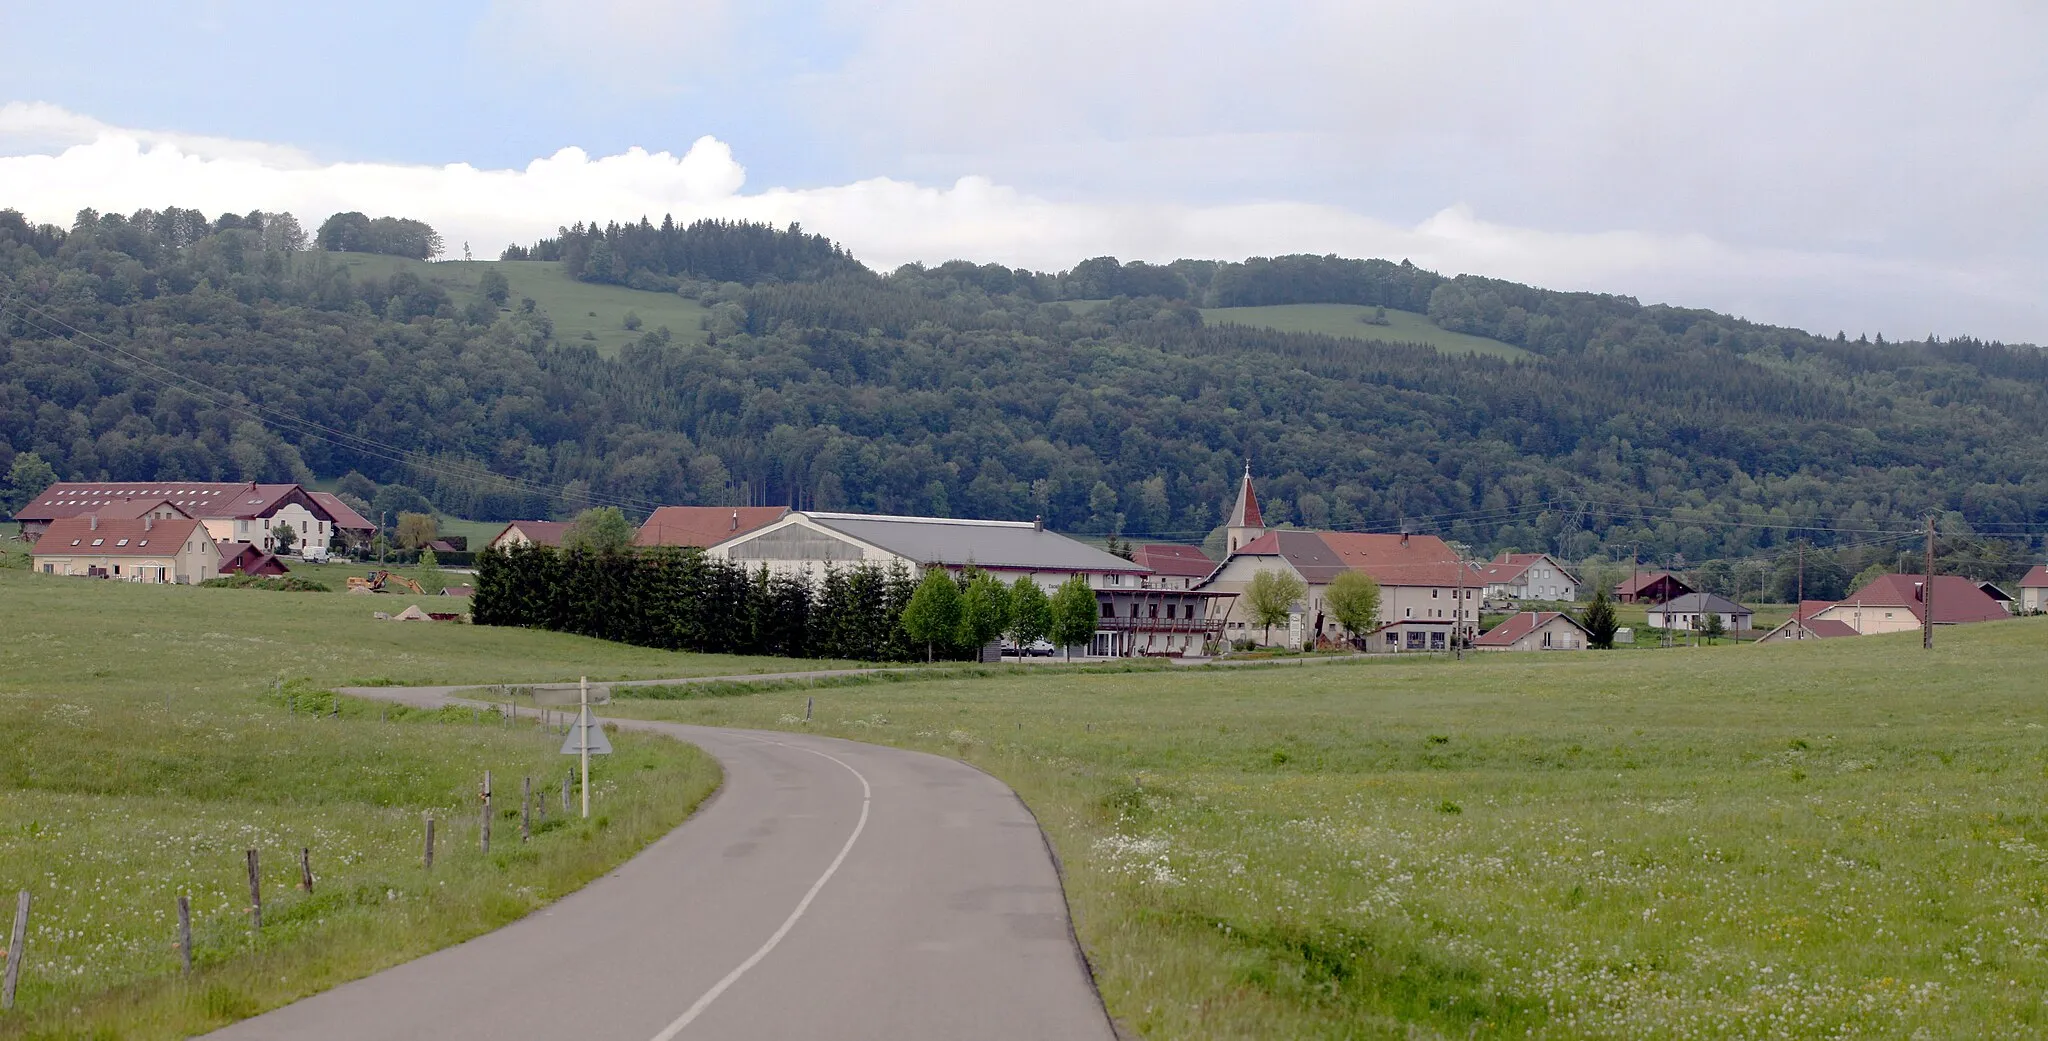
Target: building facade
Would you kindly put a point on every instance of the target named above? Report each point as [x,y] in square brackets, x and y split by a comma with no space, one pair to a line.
[155,548]
[252,512]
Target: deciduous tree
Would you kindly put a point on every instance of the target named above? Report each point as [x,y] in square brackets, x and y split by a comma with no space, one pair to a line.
[1271,597]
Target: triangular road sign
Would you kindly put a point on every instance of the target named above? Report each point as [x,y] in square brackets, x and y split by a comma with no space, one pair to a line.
[587,729]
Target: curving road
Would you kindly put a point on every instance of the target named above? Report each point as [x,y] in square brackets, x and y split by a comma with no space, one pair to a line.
[830,889]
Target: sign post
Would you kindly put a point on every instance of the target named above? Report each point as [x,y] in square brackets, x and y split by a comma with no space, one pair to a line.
[585,739]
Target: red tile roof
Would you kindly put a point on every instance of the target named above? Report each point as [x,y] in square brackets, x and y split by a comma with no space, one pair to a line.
[1517,626]
[344,518]
[704,526]
[130,509]
[540,533]
[210,500]
[1957,600]
[245,559]
[1172,559]
[116,537]
[1391,560]
[2036,578]
[1638,583]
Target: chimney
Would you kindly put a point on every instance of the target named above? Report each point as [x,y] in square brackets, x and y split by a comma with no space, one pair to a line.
[148,521]
[92,522]
[1038,523]
[735,521]
[1404,539]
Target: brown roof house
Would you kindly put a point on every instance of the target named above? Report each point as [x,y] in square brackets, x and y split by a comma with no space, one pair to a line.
[1536,631]
[1650,587]
[1897,603]
[354,529]
[249,512]
[1797,629]
[152,548]
[529,533]
[241,558]
[704,526]
[1529,576]
[2034,590]
[1173,566]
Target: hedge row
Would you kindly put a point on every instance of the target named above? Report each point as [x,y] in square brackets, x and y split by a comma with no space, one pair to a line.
[679,599]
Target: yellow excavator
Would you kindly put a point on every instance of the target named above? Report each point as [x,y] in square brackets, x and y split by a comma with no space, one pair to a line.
[384,582]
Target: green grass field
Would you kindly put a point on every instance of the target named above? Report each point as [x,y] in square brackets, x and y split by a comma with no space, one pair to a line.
[577,308]
[1803,841]
[1345,320]
[145,743]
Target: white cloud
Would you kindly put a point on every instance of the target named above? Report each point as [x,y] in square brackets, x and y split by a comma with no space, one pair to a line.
[84,163]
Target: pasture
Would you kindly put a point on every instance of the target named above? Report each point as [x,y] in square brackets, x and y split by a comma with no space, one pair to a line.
[1804,841]
[1347,321]
[149,735]
[584,313]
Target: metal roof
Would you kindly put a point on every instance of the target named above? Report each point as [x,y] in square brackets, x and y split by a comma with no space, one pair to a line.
[956,543]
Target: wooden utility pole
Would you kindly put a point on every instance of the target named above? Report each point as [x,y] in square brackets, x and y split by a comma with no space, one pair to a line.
[584,738]
[1799,609]
[1458,613]
[1927,593]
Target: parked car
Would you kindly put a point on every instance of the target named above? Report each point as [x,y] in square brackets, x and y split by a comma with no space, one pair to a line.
[1039,649]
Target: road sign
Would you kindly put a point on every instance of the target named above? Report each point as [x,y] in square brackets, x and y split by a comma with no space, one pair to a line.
[587,733]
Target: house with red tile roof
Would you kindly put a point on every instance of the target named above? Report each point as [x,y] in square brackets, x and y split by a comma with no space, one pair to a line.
[1898,603]
[704,526]
[354,529]
[1536,631]
[246,512]
[1650,587]
[2034,590]
[529,533]
[152,548]
[1174,566]
[1796,629]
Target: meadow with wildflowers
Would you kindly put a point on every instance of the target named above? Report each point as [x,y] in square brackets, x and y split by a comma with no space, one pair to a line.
[149,735]
[1819,840]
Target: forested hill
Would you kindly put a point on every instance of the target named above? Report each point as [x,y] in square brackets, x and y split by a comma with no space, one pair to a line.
[1100,398]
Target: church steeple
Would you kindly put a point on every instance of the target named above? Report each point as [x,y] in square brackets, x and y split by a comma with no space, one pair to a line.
[1245,523]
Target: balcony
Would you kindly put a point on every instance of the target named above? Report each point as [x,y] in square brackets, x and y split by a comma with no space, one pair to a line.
[1204,626]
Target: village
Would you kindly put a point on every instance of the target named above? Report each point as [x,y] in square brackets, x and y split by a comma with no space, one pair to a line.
[1274,589]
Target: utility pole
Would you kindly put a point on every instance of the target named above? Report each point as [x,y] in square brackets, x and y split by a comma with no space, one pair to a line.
[383,540]
[1458,612]
[583,685]
[1799,609]
[1927,593]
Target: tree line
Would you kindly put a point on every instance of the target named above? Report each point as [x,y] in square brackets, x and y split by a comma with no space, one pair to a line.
[683,600]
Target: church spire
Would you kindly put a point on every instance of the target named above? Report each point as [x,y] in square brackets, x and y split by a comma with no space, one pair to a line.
[1245,522]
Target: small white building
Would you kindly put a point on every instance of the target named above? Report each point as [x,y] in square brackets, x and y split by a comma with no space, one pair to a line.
[1536,631]
[1529,576]
[1692,610]
[2034,591]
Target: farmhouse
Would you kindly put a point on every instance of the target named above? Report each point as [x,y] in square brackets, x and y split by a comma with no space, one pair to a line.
[350,527]
[258,514]
[704,526]
[1808,629]
[159,547]
[1897,603]
[1174,566]
[1692,610]
[2034,590]
[1653,587]
[1536,631]
[529,533]
[1528,576]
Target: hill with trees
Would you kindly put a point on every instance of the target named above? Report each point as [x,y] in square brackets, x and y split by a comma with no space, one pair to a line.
[167,344]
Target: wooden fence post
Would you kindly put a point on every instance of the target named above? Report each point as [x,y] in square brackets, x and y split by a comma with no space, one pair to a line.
[306,869]
[185,932]
[427,859]
[526,809]
[17,949]
[484,829]
[255,893]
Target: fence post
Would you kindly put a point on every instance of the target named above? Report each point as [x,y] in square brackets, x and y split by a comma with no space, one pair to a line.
[17,948]
[185,932]
[565,793]
[306,869]
[526,809]
[427,859]
[255,893]
[484,829]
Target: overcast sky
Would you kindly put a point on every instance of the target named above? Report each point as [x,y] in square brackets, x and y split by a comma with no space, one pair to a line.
[1867,166]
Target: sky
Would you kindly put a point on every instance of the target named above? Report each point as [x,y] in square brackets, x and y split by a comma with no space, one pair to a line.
[1866,166]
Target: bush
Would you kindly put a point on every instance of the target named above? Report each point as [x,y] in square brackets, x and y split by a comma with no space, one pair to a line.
[276,584]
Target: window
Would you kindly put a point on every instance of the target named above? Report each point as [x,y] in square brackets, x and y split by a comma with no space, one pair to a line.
[1407,612]
[1393,640]
[49,569]
[1436,641]
[1155,611]
[99,542]
[1546,637]
[1108,610]
[120,542]
[1433,593]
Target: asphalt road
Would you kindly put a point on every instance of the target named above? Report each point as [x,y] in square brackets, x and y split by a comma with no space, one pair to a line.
[830,889]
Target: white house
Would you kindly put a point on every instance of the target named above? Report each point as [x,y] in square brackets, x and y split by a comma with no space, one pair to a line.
[1692,610]
[248,512]
[1529,576]
[2034,590]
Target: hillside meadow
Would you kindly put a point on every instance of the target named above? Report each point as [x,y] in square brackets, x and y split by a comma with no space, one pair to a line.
[1348,321]
[1839,839]
[149,735]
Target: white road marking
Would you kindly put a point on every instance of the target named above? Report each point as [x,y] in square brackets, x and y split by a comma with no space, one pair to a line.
[866,797]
